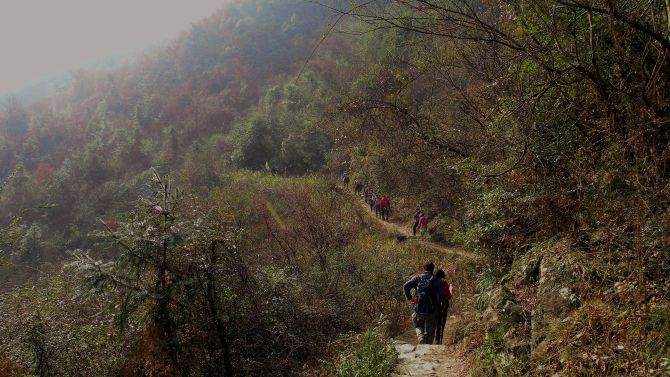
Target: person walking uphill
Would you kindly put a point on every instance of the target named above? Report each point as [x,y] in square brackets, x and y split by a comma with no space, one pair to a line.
[378,206]
[428,292]
[417,214]
[443,306]
[386,208]
[423,224]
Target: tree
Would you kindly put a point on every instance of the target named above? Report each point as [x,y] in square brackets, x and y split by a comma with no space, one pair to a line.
[165,257]
[16,118]
[31,244]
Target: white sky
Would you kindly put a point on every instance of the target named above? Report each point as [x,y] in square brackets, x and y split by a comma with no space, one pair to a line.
[44,37]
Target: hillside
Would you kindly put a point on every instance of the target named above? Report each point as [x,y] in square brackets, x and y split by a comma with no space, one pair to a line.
[86,152]
[187,204]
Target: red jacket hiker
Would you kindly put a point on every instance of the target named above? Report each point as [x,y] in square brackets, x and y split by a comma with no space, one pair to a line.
[447,290]
[423,224]
[386,202]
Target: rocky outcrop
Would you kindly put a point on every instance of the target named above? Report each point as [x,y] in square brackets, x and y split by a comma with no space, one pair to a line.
[556,290]
[540,291]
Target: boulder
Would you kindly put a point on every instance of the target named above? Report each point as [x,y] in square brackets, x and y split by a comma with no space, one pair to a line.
[530,271]
[490,317]
[555,293]
[499,296]
[512,310]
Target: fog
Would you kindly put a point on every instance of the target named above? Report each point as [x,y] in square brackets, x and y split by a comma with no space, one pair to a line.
[44,37]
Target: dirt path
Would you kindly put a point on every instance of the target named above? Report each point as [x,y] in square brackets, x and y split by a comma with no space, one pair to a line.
[429,361]
[425,360]
[395,228]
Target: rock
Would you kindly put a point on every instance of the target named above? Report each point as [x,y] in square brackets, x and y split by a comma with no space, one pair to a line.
[490,316]
[518,347]
[516,344]
[512,310]
[530,271]
[499,296]
[555,297]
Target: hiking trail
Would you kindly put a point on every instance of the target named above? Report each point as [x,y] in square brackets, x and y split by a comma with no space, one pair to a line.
[429,361]
[425,360]
[400,229]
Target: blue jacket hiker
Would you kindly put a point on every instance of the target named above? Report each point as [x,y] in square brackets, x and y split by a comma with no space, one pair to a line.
[428,290]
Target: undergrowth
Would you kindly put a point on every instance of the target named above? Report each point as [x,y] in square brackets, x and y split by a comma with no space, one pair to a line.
[370,354]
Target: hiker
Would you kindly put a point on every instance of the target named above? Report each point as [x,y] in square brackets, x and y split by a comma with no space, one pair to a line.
[443,306]
[386,208]
[423,224]
[378,206]
[417,215]
[345,181]
[428,291]
[366,193]
[358,187]
[373,200]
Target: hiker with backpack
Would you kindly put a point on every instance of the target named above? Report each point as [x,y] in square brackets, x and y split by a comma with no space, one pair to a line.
[378,206]
[373,200]
[443,306]
[429,291]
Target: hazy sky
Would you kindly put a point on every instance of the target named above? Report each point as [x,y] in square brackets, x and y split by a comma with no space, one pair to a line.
[43,37]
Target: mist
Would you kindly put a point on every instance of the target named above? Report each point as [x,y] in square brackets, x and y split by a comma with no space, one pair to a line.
[43,38]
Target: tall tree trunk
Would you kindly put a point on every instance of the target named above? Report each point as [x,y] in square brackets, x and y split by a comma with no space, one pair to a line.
[216,324]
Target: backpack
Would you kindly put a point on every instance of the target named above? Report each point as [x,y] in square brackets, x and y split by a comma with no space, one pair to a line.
[424,298]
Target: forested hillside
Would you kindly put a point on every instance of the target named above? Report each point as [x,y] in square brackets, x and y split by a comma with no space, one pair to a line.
[84,152]
[178,216]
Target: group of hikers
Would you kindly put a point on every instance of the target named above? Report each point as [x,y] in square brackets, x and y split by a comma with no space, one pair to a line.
[432,292]
[381,205]
[430,301]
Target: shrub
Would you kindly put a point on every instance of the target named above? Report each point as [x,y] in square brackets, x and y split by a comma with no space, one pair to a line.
[370,354]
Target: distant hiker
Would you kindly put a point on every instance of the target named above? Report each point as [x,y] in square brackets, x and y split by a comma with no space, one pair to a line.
[417,215]
[373,200]
[378,206]
[428,292]
[345,180]
[444,306]
[423,224]
[386,208]
[358,186]
[366,193]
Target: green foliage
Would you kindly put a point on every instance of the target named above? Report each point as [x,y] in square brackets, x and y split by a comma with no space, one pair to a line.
[31,244]
[284,131]
[56,328]
[495,222]
[256,141]
[370,354]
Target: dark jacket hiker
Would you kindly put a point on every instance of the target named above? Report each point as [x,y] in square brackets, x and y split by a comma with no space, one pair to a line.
[429,292]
